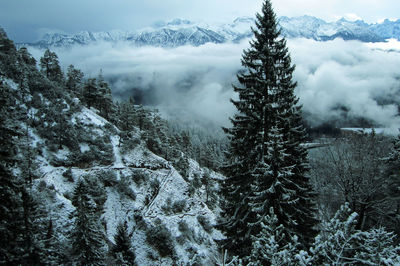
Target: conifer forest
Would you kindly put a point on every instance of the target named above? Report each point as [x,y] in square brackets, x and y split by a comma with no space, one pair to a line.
[89,176]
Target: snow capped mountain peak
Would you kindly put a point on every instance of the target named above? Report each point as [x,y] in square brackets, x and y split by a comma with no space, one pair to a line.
[342,20]
[178,32]
[179,21]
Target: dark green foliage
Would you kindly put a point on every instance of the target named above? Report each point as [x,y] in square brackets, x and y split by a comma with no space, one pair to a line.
[167,206]
[9,67]
[182,165]
[68,175]
[11,202]
[100,151]
[22,224]
[53,123]
[205,223]
[61,124]
[211,190]
[108,177]
[140,176]
[175,207]
[90,92]
[122,250]
[87,238]
[160,238]
[266,163]
[156,136]
[129,143]
[123,187]
[50,66]
[10,211]
[74,79]
[42,185]
[207,147]
[33,235]
[179,206]
[154,186]
[26,57]
[22,229]
[97,93]
[126,116]
[96,191]
[104,102]
[185,230]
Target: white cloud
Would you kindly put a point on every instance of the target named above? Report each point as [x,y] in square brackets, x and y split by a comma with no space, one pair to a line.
[347,74]
[392,44]
[331,76]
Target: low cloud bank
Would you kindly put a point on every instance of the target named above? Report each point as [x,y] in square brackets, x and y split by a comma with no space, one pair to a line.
[337,80]
[341,78]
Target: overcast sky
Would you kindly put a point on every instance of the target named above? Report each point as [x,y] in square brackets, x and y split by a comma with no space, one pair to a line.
[26,20]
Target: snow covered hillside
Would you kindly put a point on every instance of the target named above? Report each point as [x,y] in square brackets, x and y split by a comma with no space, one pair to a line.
[141,188]
[92,167]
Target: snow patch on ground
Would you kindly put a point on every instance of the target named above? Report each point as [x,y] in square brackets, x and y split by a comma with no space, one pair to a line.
[84,147]
[62,154]
[89,117]
[117,209]
[11,83]
[141,157]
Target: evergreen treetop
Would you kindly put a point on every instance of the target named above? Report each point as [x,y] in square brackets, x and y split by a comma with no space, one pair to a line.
[87,236]
[50,66]
[122,250]
[267,162]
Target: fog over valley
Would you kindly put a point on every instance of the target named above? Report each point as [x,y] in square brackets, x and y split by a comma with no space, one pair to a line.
[348,82]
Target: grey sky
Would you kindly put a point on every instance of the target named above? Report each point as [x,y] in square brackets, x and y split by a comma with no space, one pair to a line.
[26,20]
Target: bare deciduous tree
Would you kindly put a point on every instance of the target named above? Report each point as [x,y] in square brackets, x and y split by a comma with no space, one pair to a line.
[352,169]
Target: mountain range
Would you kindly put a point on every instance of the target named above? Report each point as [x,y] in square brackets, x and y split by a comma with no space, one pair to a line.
[180,32]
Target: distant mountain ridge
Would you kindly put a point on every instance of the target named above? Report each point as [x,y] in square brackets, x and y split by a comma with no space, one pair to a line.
[179,32]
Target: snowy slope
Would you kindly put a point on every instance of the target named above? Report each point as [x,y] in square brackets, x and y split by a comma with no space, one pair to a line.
[140,169]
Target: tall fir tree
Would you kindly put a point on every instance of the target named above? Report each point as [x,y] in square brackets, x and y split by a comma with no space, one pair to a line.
[50,66]
[122,250]
[74,79]
[90,92]
[267,164]
[88,245]
[105,102]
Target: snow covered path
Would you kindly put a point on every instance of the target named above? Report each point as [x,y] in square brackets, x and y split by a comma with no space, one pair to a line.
[117,154]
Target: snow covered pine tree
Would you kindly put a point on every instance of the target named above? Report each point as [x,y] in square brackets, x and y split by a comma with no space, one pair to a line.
[267,164]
